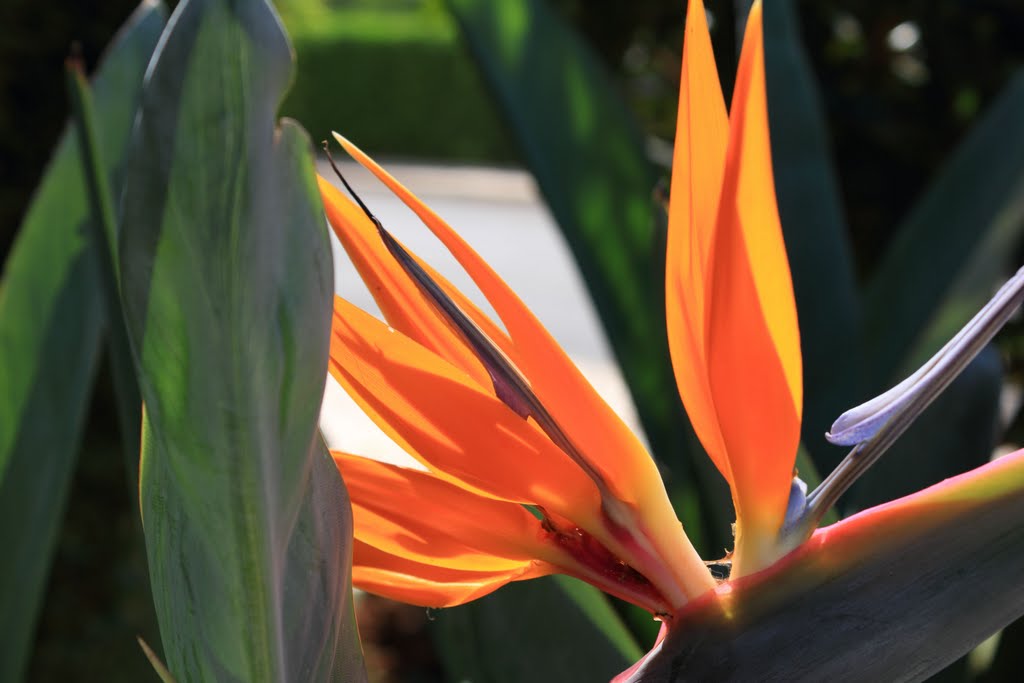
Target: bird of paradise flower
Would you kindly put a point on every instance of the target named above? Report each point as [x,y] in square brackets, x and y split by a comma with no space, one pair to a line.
[529,472]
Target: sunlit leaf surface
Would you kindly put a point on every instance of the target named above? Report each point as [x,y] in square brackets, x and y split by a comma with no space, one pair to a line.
[227,289]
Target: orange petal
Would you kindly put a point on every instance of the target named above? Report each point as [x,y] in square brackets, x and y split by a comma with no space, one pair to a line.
[452,424]
[417,583]
[702,131]
[753,342]
[417,516]
[592,425]
[398,297]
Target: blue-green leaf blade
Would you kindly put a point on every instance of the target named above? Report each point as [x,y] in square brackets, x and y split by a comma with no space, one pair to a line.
[51,330]
[227,288]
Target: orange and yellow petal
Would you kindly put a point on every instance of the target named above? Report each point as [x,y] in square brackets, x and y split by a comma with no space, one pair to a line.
[592,425]
[411,516]
[398,297]
[702,133]
[415,515]
[418,583]
[450,423]
[594,429]
[754,360]
[729,297]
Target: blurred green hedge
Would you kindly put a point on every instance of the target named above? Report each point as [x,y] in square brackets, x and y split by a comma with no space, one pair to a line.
[393,77]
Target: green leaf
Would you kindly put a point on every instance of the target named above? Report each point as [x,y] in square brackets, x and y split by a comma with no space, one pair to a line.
[51,325]
[896,593]
[227,289]
[103,231]
[550,629]
[815,232]
[953,248]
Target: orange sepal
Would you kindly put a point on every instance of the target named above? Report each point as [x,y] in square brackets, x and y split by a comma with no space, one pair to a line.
[399,299]
[753,342]
[592,425]
[415,515]
[597,432]
[451,424]
[417,583]
[702,131]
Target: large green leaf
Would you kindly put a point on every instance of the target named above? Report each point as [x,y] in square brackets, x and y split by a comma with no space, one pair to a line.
[51,323]
[551,629]
[227,289]
[815,232]
[954,247]
[894,594]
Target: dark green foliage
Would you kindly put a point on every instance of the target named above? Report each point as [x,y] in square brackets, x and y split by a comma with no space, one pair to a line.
[51,329]
[503,638]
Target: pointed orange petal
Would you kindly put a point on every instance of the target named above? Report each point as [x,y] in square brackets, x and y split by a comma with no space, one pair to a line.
[417,583]
[398,297]
[420,518]
[592,425]
[450,423]
[702,130]
[595,430]
[417,516]
[753,342]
